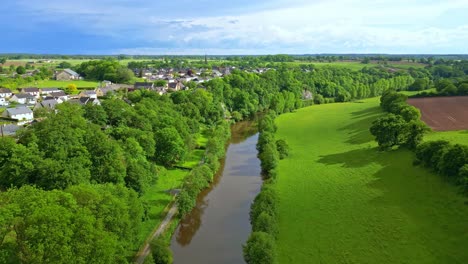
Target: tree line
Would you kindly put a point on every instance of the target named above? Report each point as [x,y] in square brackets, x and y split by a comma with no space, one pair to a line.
[261,246]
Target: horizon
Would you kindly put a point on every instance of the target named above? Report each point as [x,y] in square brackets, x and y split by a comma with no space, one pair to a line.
[245,27]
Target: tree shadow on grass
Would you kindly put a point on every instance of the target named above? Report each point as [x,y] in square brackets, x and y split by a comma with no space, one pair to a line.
[366,112]
[358,130]
[355,158]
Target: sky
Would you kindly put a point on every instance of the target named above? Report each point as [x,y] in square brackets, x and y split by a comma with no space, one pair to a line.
[240,27]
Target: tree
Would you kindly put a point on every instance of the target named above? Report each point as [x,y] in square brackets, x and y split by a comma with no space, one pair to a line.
[21,70]
[260,249]
[95,114]
[3,60]
[454,158]
[161,253]
[389,131]
[170,148]
[420,84]
[71,89]
[64,65]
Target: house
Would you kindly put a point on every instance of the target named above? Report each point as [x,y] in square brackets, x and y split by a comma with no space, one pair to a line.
[49,104]
[88,93]
[3,101]
[5,92]
[176,86]
[23,98]
[103,91]
[144,85]
[67,75]
[22,114]
[59,96]
[106,83]
[32,91]
[8,129]
[48,91]
[86,100]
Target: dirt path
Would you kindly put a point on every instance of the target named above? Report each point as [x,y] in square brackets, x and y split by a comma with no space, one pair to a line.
[143,253]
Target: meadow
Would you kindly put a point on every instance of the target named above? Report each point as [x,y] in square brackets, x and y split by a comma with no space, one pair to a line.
[343,201]
[61,84]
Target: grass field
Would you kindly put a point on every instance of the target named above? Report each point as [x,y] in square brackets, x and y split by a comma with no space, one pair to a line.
[342,201]
[61,84]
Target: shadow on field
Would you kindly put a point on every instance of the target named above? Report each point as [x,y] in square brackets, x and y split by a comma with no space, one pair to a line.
[366,112]
[355,158]
[358,130]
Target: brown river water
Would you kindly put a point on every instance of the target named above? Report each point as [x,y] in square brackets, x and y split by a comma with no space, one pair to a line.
[219,224]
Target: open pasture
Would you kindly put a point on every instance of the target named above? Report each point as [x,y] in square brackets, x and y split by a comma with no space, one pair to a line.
[343,201]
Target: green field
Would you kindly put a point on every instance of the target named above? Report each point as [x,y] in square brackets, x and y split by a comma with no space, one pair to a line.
[342,201]
[356,65]
[61,84]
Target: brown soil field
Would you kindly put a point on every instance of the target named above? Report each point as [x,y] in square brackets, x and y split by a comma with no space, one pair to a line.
[443,113]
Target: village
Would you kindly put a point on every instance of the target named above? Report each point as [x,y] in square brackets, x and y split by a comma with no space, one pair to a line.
[20,106]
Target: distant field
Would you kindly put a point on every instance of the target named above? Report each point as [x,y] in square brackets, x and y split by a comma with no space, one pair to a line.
[343,201]
[443,113]
[60,84]
[356,65]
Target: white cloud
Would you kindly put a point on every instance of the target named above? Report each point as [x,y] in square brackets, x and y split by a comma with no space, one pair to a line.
[397,26]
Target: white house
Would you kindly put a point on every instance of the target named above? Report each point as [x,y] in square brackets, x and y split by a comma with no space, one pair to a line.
[3,101]
[32,91]
[5,92]
[48,91]
[59,96]
[88,93]
[22,114]
[23,98]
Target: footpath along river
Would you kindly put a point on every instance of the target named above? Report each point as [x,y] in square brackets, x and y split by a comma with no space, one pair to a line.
[219,224]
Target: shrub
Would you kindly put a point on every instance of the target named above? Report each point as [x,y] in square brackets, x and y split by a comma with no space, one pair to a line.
[269,157]
[161,253]
[283,148]
[452,160]
[266,201]
[266,223]
[260,249]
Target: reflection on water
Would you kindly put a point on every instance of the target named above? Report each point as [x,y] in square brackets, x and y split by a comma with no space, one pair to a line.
[219,224]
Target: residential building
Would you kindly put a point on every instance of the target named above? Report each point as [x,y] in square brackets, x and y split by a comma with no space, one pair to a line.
[48,91]
[32,91]
[49,104]
[3,101]
[5,92]
[23,98]
[67,75]
[22,115]
[88,93]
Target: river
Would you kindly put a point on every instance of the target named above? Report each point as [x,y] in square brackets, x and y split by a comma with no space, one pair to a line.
[219,224]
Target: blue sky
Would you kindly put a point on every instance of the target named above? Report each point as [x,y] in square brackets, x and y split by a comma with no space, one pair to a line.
[234,27]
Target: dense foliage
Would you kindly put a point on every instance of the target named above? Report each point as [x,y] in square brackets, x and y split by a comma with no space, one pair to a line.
[101,70]
[401,126]
[449,160]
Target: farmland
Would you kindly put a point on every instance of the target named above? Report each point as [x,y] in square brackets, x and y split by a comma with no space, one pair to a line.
[443,113]
[342,201]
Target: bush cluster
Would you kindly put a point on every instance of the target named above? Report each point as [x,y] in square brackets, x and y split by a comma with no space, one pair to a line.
[202,175]
[401,126]
[449,160]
